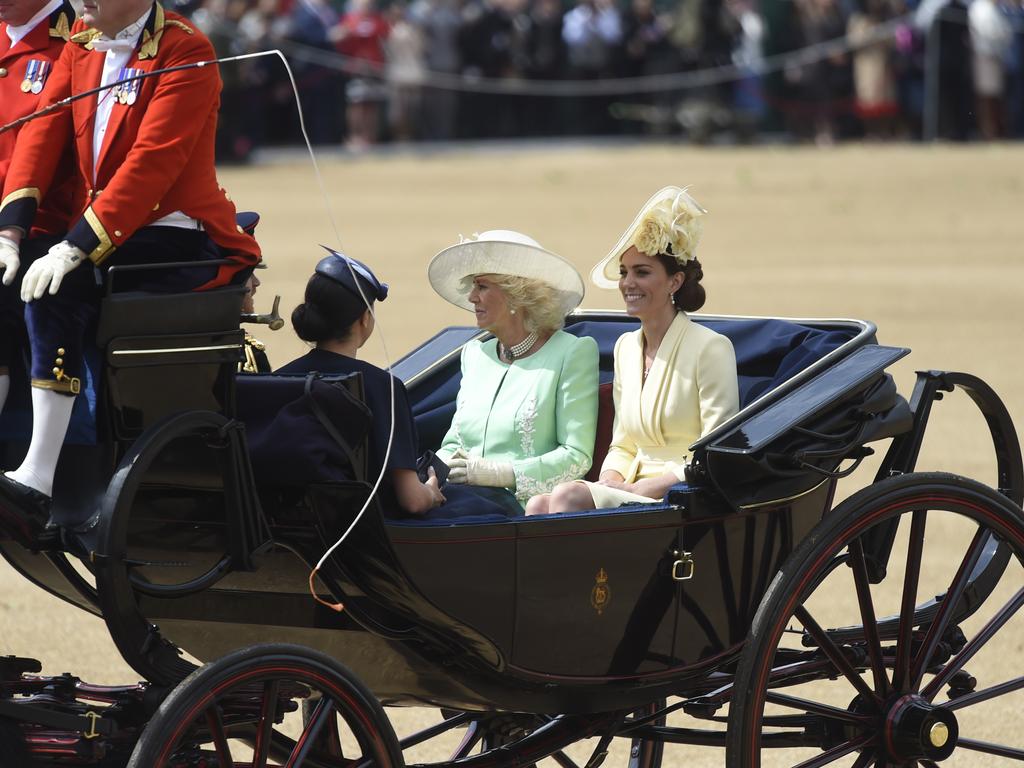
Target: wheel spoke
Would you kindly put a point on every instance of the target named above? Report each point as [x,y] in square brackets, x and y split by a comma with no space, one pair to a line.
[449,723]
[473,735]
[215,723]
[867,617]
[975,644]
[969,699]
[825,710]
[865,759]
[564,760]
[838,751]
[268,713]
[991,749]
[938,626]
[323,714]
[911,576]
[834,653]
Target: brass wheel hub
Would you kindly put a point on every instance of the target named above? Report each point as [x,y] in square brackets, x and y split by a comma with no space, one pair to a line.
[916,729]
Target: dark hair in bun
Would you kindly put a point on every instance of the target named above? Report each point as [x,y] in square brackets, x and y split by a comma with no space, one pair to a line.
[328,312]
[690,297]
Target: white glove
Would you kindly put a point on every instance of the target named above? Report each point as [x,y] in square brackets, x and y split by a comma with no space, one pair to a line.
[10,259]
[472,470]
[49,271]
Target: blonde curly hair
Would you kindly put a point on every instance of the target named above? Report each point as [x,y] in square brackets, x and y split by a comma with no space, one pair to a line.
[543,307]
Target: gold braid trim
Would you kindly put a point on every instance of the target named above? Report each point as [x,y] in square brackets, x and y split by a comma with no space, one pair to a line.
[20,194]
[181,25]
[68,385]
[151,40]
[62,28]
[251,347]
[106,245]
[85,37]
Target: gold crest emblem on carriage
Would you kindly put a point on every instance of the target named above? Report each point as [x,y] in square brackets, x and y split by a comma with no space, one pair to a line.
[601,594]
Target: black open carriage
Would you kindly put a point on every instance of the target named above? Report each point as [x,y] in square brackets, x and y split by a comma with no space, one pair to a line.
[747,600]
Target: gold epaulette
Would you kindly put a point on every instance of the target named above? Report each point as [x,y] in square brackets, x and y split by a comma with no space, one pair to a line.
[85,37]
[181,25]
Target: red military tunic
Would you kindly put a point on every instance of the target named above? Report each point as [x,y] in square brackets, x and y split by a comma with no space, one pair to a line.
[44,43]
[158,152]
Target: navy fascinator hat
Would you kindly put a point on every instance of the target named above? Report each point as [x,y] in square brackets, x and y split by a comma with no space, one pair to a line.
[352,274]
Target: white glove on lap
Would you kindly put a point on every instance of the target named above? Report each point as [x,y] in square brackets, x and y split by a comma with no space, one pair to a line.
[10,259]
[48,272]
[472,470]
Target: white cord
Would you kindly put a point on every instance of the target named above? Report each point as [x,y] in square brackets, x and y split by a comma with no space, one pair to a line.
[362,295]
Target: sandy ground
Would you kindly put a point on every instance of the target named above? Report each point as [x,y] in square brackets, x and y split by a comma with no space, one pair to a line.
[924,241]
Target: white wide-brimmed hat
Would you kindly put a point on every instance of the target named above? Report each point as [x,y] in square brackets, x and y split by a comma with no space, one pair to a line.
[502,252]
[670,222]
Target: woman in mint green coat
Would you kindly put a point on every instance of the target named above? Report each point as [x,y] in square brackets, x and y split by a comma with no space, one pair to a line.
[526,411]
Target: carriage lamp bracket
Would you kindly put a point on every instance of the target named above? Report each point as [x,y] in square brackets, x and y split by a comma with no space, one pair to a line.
[683,566]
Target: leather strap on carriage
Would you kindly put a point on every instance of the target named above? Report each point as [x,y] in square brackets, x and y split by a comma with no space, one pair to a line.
[331,430]
[90,725]
[325,422]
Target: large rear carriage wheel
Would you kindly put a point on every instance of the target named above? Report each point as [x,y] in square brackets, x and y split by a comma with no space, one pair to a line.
[914,663]
[269,706]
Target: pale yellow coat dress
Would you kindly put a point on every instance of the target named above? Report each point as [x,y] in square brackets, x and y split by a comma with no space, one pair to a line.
[690,389]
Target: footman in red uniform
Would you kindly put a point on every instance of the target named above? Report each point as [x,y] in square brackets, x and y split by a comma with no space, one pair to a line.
[145,190]
[32,36]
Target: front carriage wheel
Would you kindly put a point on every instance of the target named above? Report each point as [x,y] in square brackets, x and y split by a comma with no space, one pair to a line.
[858,659]
[247,709]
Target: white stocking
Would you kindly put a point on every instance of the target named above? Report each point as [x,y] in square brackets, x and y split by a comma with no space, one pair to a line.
[51,414]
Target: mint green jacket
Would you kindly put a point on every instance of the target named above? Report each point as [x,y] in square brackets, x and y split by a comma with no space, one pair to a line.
[540,413]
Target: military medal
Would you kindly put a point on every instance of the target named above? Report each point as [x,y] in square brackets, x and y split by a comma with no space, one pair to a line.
[130,90]
[120,88]
[30,75]
[40,79]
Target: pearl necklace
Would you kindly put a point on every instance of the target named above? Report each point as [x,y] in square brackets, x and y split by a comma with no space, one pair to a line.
[520,349]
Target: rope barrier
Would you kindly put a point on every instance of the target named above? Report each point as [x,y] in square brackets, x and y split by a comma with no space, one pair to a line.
[621,86]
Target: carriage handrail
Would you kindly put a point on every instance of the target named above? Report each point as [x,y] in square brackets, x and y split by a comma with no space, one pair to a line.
[865,334]
[763,427]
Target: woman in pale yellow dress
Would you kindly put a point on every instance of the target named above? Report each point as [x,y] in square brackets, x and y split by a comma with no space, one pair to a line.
[675,380]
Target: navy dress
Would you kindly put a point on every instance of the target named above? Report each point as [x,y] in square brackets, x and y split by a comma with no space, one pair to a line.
[462,501]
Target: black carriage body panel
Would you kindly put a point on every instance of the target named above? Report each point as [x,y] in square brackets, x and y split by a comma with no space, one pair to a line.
[595,593]
[576,614]
[570,613]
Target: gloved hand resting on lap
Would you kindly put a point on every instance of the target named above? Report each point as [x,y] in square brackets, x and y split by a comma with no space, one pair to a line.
[473,470]
[48,272]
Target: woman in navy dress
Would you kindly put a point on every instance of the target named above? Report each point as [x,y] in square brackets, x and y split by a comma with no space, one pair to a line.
[337,316]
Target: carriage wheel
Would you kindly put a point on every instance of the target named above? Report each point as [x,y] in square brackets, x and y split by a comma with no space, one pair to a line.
[247,709]
[916,670]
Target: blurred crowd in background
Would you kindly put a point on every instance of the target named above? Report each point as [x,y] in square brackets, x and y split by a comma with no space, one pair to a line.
[732,70]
